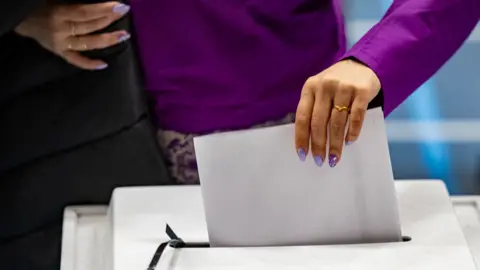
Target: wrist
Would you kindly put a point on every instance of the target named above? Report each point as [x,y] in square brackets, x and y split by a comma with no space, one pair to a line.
[374,80]
[21,30]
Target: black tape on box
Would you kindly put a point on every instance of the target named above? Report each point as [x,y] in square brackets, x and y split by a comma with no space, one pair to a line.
[174,242]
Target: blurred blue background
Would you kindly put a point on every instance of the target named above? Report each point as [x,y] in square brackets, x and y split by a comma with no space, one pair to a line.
[436,132]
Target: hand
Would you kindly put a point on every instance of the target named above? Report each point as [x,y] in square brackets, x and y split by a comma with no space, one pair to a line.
[330,100]
[64,30]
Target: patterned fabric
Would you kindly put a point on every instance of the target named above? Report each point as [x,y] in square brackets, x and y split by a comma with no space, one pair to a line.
[179,151]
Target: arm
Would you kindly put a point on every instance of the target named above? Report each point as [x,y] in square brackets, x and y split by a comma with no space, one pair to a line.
[412,41]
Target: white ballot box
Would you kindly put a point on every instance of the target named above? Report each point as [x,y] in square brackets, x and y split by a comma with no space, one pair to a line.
[133,227]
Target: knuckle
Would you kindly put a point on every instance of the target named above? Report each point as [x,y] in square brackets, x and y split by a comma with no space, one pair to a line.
[315,126]
[330,85]
[358,112]
[302,119]
[356,122]
[317,122]
[82,11]
[362,89]
[81,28]
[318,147]
[308,89]
[322,149]
[345,90]
[354,133]
[336,128]
[300,138]
[318,140]
[306,93]
[362,98]
[312,81]
[330,81]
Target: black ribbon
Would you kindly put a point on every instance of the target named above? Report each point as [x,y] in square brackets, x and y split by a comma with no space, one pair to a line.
[174,242]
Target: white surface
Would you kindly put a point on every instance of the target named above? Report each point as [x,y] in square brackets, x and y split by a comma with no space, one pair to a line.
[83,232]
[256,191]
[466,207]
[426,212]
[468,213]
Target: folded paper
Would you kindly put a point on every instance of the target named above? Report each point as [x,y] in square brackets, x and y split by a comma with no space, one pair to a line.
[256,192]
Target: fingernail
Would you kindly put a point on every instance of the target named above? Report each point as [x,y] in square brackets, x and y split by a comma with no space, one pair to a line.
[348,142]
[318,160]
[301,154]
[124,37]
[121,9]
[332,160]
[104,66]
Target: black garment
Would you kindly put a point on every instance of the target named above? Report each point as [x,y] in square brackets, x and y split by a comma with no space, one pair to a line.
[67,136]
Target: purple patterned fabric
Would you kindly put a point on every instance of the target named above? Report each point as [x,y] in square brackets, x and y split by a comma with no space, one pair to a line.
[179,152]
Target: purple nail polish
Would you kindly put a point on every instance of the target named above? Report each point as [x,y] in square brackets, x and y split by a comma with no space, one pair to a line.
[348,142]
[332,160]
[121,9]
[301,154]
[318,160]
[104,66]
[124,37]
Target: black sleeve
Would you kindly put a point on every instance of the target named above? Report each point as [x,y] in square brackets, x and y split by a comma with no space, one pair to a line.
[48,105]
[26,65]
[14,12]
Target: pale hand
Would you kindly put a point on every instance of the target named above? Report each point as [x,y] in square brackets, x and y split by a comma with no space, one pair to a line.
[66,30]
[329,100]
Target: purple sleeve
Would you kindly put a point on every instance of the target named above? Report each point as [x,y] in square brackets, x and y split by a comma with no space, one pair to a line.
[412,41]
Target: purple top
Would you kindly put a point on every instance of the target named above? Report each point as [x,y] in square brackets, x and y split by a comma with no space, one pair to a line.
[230,64]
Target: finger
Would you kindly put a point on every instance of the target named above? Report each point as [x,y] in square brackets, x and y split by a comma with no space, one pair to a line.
[83,62]
[83,13]
[357,115]
[338,121]
[87,27]
[302,120]
[319,125]
[100,41]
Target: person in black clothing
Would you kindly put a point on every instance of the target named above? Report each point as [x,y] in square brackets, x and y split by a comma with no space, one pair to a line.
[71,129]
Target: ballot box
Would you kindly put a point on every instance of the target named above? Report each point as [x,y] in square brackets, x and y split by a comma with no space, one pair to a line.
[127,235]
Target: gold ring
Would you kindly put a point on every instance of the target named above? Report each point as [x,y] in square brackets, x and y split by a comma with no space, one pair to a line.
[72,29]
[342,108]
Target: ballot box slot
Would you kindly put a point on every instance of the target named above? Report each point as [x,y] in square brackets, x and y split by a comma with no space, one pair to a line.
[174,242]
[177,243]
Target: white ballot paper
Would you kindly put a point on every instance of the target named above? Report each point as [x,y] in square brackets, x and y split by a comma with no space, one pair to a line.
[256,192]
